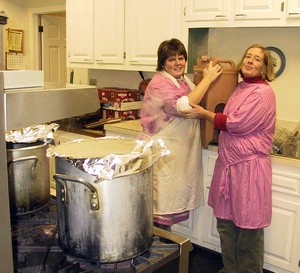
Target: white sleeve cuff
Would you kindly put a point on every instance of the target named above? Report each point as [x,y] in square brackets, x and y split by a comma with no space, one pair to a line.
[183,103]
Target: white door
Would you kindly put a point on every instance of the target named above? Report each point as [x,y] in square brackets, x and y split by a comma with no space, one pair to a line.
[54,48]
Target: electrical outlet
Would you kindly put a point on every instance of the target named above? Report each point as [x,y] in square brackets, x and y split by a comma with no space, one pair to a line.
[93,82]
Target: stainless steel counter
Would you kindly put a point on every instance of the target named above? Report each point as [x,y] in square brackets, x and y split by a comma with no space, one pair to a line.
[26,107]
[21,108]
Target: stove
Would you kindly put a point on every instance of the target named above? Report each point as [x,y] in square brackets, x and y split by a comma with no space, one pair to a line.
[36,249]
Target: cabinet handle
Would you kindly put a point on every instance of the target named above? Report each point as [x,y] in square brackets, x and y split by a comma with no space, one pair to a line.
[241,15]
[87,60]
[134,61]
[99,60]
[220,16]
[294,14]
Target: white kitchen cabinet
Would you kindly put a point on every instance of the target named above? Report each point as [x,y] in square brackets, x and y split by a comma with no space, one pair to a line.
[197,10]
[293,9]
[191,227]
[148,24]
[120,34]
[282,237]
[109,36]
[80,26]
[257,9]
[95,32]
[241,13]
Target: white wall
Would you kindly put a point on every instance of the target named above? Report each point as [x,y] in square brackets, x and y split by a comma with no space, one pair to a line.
[228,43]
[231,43]
[20,17]
[15,12]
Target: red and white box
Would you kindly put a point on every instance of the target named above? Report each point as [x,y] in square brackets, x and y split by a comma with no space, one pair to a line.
[119,98]
[126,115]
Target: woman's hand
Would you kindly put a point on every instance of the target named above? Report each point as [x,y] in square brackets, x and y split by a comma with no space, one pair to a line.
[196,111]
[212,72]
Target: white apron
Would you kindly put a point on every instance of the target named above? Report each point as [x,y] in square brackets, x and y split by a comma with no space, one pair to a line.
[177,178]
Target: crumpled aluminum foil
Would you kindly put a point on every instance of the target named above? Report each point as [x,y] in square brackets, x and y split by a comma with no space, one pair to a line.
[143,156]
[43,132]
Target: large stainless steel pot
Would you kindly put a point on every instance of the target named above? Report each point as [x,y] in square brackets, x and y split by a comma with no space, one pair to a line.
[28,177]
[106,221]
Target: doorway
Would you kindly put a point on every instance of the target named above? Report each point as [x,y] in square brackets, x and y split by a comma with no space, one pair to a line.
[53,47]
[48,48]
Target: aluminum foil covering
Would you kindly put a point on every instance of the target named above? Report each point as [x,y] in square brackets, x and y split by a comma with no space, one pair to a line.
[43,132]
[137,157]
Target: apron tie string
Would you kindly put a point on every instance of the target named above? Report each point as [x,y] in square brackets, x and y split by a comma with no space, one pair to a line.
[226,176]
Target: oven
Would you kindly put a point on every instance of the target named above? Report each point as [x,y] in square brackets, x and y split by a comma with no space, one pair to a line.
[25,100]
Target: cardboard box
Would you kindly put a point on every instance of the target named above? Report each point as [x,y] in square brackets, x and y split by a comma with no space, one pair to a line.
[127,115]
[112,98]
[122,106]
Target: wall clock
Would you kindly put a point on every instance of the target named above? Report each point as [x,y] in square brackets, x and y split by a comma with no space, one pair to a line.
[278,59]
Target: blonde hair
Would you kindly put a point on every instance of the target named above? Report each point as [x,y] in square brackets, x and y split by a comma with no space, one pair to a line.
[268,67]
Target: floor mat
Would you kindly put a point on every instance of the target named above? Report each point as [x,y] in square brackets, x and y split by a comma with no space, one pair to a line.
[203,260]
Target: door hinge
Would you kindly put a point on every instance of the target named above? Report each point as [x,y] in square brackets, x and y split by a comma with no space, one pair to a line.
[282,6]
[41,29]
[124,55]
[184,11]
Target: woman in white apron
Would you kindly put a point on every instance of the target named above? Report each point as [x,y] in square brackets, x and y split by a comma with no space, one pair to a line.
[177,177]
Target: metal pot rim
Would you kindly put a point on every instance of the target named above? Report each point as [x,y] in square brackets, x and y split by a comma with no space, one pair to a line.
[25,146]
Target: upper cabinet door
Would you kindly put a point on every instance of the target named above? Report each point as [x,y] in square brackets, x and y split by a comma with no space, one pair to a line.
[109,20]
[293,9]
[150,23]
[199,10]
[80,26]
[257,9]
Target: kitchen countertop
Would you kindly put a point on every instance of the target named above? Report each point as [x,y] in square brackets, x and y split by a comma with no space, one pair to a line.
[276,159]
[131,128]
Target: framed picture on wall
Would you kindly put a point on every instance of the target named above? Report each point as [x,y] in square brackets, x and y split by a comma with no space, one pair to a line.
[14,40]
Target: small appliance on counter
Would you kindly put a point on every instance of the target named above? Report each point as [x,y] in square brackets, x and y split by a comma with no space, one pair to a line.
[216,96]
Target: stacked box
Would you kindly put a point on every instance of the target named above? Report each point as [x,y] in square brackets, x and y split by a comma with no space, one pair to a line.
[113,98]
[120,102]
[126,115]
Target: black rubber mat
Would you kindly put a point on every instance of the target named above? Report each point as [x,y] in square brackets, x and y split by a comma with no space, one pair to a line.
[205,261]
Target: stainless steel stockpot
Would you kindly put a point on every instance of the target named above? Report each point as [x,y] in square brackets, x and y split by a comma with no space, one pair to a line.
[103,220]
[28,177]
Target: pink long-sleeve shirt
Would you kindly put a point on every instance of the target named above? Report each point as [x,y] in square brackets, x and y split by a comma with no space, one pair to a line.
[160,102]
[241,185]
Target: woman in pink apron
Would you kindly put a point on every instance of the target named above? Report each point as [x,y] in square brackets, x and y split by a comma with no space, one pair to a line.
[177,177]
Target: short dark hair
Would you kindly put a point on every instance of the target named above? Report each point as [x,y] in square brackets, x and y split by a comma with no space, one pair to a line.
[169,48]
